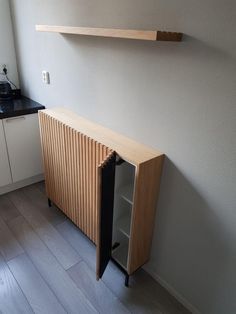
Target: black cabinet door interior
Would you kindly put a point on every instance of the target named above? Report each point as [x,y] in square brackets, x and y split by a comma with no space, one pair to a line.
[105,215]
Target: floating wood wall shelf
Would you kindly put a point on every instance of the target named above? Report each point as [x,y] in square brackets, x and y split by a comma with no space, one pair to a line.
[112,32]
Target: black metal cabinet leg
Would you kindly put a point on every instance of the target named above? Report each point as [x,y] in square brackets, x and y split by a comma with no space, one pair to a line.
[127,280]
[49,202]
[120,267]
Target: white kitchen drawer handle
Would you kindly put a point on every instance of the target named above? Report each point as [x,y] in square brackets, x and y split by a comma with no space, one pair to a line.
[15,118]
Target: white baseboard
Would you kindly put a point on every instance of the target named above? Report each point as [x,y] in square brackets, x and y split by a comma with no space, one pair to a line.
[171,290]
[21,184]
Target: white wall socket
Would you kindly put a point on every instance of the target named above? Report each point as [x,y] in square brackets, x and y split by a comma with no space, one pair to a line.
[2,66]
[45,77]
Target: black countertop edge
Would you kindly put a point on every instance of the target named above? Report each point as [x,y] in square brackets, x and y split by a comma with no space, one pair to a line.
[18,107]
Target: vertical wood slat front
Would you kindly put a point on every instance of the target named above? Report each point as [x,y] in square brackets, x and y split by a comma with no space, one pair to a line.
[71,161]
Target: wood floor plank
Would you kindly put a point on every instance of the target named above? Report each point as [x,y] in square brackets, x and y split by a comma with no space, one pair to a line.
[79,242]
[70,296]
[132,298]
[39,295]
[41,186]
[7,210]
[9,247]
[12,300]
[62,250]
[39,199]
[96,291]
[41,277]
[153,291]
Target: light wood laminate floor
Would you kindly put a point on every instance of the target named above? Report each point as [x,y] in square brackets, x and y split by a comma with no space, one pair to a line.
[48,266]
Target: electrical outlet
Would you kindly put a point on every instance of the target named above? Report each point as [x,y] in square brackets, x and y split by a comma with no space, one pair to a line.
[45,77]
[2,67]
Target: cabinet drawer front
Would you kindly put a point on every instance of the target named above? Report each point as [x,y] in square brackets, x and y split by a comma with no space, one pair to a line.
[23,142]
[5,173]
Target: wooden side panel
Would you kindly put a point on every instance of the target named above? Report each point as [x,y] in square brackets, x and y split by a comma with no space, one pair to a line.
[71,160]
[147,183]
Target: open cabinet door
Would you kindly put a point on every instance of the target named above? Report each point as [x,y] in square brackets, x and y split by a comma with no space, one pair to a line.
[106,184]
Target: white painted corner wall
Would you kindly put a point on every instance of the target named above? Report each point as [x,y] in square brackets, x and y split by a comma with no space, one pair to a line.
[177,97]
[7,48]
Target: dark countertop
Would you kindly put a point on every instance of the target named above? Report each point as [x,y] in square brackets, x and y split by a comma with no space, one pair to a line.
[18,107]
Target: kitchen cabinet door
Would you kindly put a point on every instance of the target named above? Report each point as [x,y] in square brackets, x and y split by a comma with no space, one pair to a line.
[5,173]
[24,148]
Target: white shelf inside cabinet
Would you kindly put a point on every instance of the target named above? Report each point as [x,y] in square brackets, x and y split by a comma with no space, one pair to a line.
[126,193]
[120,254]
[123,224]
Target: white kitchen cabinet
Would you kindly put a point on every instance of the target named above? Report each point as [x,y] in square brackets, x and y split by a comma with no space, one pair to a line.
[5,172]
[24,148]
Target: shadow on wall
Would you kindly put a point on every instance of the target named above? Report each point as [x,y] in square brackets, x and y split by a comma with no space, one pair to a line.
[195,47]
[188,241]
[129,73]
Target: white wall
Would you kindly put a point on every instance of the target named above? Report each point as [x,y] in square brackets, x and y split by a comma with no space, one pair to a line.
[177,97]
[7,48]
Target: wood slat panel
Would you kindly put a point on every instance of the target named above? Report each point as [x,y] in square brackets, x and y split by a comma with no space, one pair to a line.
[71,160]
[128,149]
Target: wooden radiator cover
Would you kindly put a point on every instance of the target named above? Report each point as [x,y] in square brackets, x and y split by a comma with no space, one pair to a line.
[71,162]
[77,153]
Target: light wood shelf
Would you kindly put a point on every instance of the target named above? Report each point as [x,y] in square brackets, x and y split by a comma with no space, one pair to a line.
[112,32]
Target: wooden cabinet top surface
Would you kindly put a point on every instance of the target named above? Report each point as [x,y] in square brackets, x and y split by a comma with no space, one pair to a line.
[128,149]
